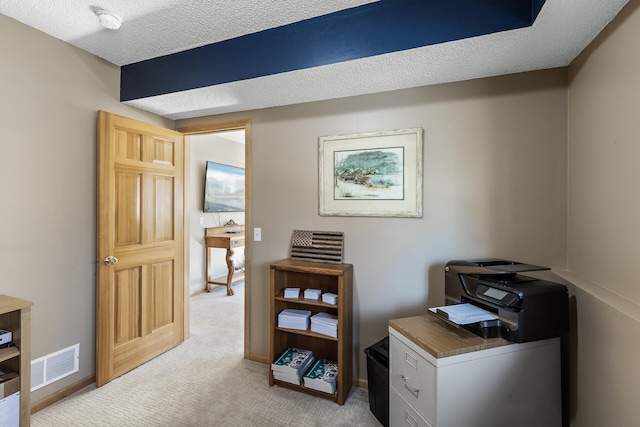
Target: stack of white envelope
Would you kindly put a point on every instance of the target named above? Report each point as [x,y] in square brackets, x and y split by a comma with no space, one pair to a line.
[313,294]
[329,298]
[291,292]
[294,319]
[325,324]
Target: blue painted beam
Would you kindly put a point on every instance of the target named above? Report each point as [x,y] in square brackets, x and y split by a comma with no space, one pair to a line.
[373,29]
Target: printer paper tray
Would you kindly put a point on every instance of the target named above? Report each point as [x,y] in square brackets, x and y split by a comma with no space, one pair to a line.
[463,314]
[467,316]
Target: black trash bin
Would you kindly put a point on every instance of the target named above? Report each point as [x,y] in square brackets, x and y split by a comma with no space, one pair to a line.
[378,377]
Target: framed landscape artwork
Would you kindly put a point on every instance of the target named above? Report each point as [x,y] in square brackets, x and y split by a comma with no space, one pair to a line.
[371,174]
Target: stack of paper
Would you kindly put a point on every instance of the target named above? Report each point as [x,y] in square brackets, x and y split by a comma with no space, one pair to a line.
[330,298]
[313,294]
[325,324]
[322,376]
[292,364]
[463,314]
[291,292]
[294,319]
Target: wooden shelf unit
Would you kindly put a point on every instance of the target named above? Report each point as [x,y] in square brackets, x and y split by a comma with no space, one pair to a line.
[15,316]
[334,278]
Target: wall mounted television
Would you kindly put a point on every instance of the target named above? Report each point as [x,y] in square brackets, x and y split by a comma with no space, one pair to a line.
[223,188]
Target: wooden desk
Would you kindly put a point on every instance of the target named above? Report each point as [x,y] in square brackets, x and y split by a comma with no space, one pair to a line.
[226,237]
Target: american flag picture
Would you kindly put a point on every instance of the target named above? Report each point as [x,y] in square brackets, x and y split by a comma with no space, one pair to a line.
[320,246]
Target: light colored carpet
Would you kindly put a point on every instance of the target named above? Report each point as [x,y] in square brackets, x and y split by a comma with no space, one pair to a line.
[205,381]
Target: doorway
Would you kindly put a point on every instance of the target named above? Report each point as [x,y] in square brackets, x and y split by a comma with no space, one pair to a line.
[227,144]
[222,149]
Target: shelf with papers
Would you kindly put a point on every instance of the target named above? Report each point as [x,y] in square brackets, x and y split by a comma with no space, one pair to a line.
[299,370]
[8,353]
[305,301]
[307,333]
[329,278]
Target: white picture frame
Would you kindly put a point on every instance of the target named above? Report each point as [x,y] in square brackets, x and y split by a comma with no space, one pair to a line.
[371,174]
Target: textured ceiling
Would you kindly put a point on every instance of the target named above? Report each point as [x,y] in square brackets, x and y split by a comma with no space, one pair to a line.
[153,28]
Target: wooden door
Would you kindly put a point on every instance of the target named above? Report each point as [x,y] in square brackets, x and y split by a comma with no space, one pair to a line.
[140,292]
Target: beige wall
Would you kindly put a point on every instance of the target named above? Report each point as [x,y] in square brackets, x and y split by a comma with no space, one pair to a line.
[494,185]
[50,94]
[604,94]
[603,222]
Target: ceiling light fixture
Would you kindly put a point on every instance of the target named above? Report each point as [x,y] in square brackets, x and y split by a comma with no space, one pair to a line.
[109,19]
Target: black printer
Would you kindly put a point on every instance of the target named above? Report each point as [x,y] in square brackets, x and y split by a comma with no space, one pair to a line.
[527,308]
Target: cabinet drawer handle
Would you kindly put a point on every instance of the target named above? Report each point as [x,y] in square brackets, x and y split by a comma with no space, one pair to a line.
[413,390]
[410,419]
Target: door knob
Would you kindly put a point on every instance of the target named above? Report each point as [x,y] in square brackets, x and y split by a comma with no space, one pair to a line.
[110,260]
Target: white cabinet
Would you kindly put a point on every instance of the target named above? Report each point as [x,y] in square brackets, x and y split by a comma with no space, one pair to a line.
[441,376]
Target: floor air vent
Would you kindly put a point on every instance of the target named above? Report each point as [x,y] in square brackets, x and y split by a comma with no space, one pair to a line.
[54,366]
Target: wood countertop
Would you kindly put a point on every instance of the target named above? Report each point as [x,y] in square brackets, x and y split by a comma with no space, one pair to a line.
[441,339]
